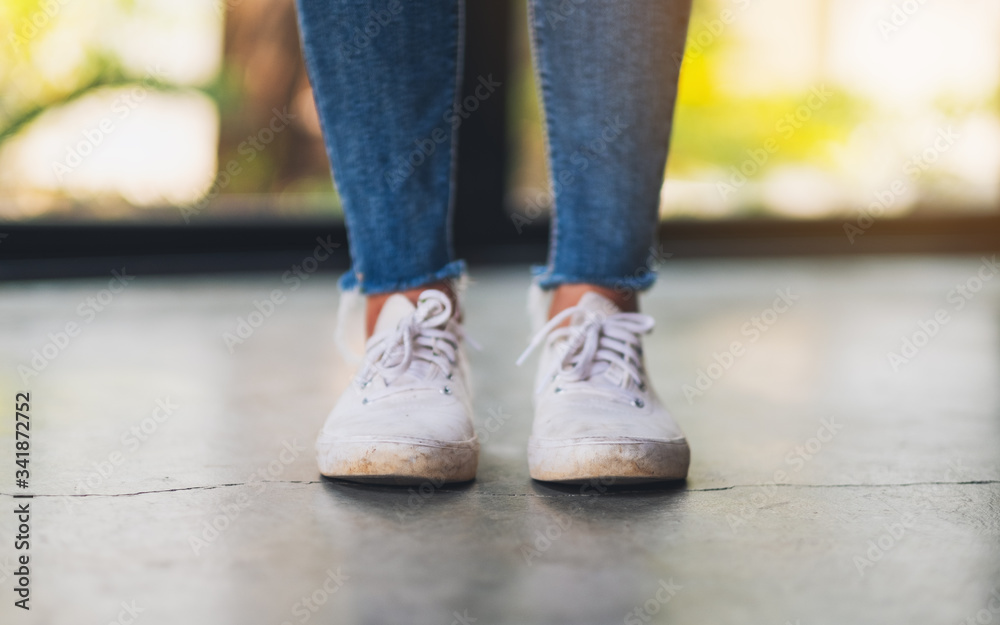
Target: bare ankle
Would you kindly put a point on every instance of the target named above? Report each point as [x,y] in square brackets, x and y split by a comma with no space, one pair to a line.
[374,303]
[567,295]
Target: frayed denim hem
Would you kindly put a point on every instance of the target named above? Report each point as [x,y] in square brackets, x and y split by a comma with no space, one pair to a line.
[349,281]
[548,280]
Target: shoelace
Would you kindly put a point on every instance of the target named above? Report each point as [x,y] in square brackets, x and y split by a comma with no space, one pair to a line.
[612,339]
[421,336]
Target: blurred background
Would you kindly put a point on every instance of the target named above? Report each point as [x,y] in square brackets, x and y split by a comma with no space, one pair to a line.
[178,137]
[791,112]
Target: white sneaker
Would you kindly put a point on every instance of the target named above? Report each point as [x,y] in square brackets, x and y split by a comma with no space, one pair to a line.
[406,417]
[595,413]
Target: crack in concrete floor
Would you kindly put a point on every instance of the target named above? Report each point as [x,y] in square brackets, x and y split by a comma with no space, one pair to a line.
[403,489]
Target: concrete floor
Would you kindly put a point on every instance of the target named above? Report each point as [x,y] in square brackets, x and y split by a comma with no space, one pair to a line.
[826,486]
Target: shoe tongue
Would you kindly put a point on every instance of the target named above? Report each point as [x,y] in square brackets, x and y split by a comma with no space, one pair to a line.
[396,308]
[393,310]
[594,303]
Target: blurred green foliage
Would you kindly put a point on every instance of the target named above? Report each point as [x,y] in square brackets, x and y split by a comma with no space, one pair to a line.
[715,124]
[36,76]
[715,127]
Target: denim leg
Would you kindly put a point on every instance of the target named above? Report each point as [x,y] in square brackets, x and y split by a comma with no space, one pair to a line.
[608,71]
[386,78]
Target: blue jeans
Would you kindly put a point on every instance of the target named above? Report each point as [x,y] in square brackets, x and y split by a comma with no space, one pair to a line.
[386,77]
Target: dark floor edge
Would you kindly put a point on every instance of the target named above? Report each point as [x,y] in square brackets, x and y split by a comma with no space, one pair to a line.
[38,251]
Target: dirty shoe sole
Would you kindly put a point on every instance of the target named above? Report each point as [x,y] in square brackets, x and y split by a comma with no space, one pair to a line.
[622,460]
[401,462]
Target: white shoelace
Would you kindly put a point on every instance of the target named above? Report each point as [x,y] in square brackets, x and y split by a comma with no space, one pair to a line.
[600,344]
[423,336]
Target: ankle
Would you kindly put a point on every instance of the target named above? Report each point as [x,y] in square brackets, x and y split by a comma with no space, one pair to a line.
[374,303]
[567,295]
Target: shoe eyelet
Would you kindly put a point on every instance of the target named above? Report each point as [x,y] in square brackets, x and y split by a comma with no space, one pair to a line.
[364,401]
[449,376]
[642,386]
[446,390]
[638,403]
[557,389]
